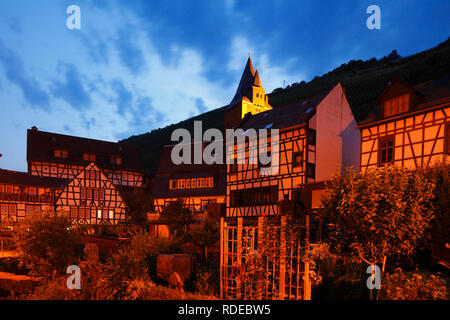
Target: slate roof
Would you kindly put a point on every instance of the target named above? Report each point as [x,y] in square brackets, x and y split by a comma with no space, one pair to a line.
[429,92]
[25,179]
[41,145]
[245,84]
[286,116]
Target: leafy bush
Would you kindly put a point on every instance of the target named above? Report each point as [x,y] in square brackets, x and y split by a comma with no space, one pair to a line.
[414,285]
[48,243]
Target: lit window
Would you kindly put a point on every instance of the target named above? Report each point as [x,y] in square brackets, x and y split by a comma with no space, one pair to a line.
[396,105]
[188,183]
[12,208]
[386,147]
[111,214]
[58,153]
[99,214]
[116,160]
[173,184]
[194,183]
[181,184]
[4,208]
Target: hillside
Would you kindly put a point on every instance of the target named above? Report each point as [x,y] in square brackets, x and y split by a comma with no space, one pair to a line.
[362,80]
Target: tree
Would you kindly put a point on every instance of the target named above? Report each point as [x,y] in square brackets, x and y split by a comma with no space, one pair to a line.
[378,214]
[177,217]
[205,234]
[48,243]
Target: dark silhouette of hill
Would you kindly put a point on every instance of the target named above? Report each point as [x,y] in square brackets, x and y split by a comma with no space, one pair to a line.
[363,82]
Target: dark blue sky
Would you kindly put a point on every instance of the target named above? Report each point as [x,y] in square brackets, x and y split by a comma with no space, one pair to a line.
[138,65]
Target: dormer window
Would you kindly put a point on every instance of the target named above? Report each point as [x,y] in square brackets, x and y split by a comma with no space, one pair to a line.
[87,156]
[396,105]
[116,160]
[58,153]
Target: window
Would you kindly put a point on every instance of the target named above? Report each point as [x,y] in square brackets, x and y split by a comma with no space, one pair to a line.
[32,191]
[111,214]
[266,165]
[83,193]
[9,189]
[188,183]
[396,105]
[12,208]
[297,159]
[4,209]
[87,156]
[92,174]
[61,153]
[101,195]
[448,138]
[116,160]
[200,182]
[194,183]
[386,150]
[311,170]
[181,184]
[311,137]
[89,194]
[254,197]
[234,168]
[210,182]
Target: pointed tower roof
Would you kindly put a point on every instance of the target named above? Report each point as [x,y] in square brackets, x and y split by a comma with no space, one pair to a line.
[244,88]
[257,81]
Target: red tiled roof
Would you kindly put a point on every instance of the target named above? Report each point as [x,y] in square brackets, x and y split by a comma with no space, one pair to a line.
[41,145]
[25,179]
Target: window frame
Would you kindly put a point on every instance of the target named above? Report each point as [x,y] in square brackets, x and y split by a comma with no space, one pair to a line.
[380,150]
[294,163]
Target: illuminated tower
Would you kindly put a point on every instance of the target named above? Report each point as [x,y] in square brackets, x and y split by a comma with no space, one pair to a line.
[250,97]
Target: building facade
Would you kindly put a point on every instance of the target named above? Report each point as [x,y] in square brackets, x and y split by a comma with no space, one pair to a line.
[317,137]
[80,176]
[410,126]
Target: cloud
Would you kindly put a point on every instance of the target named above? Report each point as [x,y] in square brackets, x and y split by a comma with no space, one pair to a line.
[72,89]
[124,98]
[16,73]
[129,52]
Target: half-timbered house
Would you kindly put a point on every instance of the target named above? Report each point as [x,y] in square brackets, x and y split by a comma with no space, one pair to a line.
[201,188]
[79,176]
[63,156]
[409,127]
[317,137]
